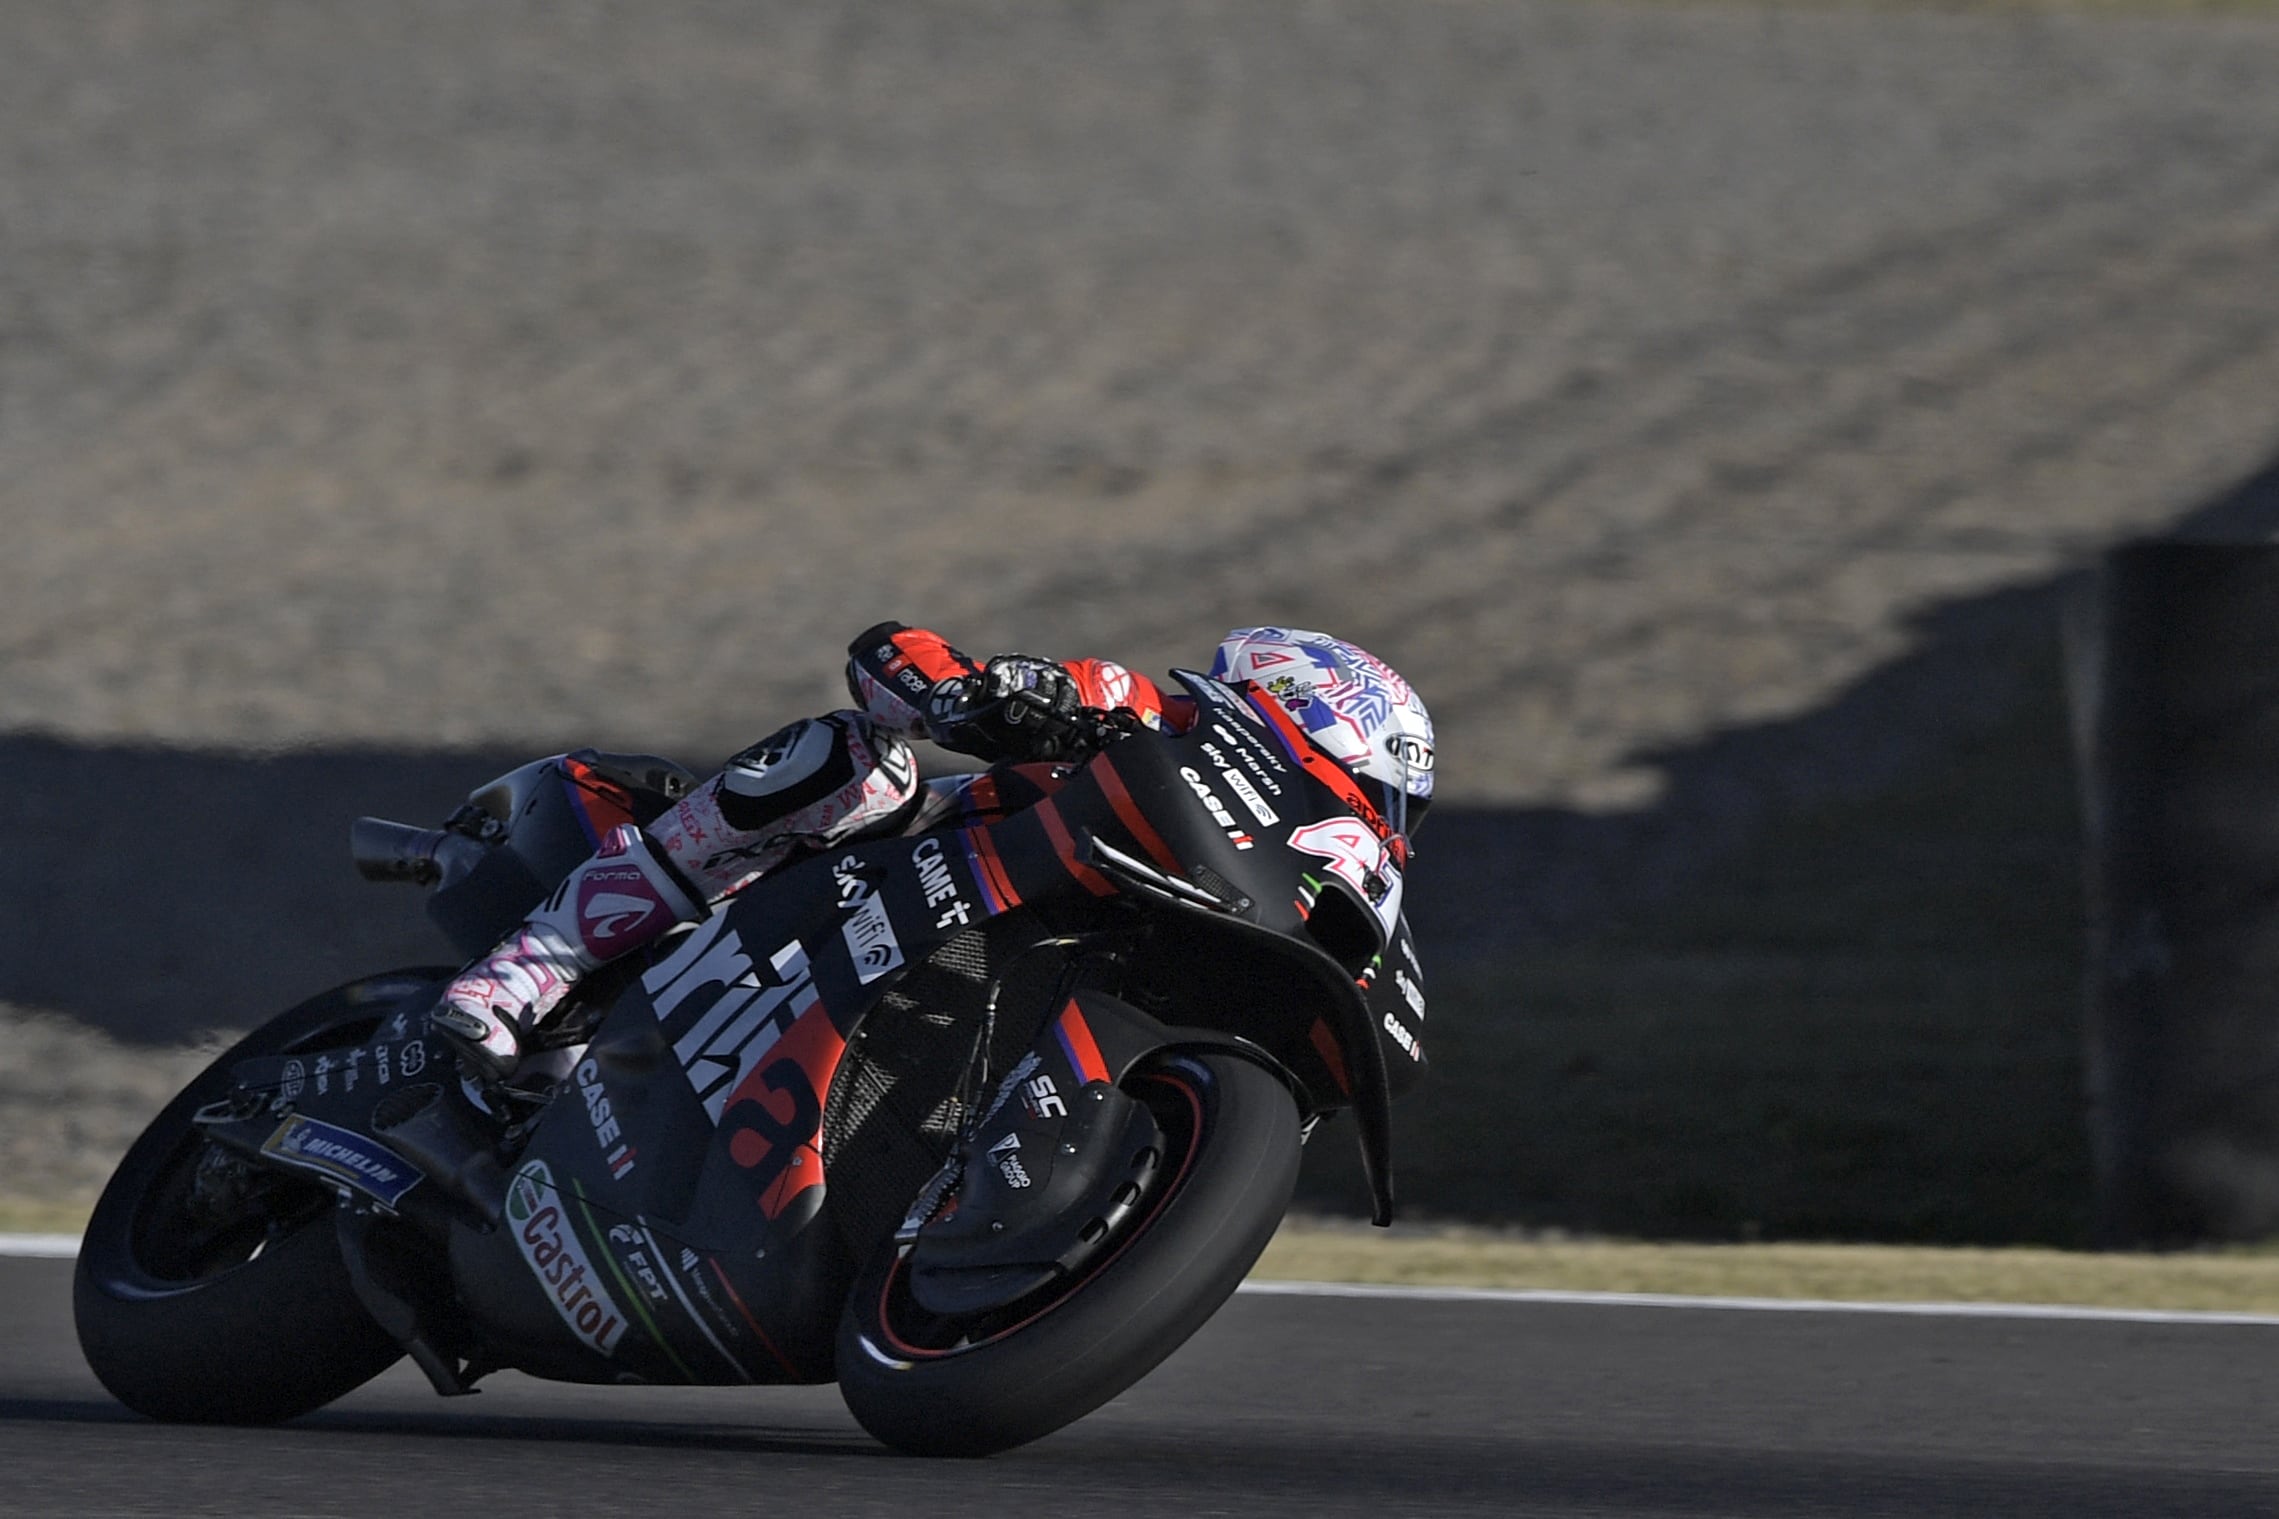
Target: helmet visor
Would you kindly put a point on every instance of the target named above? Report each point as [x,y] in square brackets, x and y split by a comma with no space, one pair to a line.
[1408,785]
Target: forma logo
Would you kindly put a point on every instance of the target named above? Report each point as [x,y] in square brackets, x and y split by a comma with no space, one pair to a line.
[611,913]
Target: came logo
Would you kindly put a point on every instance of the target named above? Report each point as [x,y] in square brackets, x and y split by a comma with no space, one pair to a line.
[935,880]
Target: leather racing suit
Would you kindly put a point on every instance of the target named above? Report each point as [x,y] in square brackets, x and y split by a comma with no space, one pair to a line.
[815,784]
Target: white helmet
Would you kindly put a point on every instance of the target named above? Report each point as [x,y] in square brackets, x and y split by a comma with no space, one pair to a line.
[1350,702]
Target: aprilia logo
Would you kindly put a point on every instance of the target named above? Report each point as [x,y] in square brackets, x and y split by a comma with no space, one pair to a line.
[728,1042]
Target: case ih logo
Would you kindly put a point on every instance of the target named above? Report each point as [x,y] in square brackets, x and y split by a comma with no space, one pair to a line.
[603,1117]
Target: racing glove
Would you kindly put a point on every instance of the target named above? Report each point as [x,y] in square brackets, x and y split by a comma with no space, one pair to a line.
[1018,708]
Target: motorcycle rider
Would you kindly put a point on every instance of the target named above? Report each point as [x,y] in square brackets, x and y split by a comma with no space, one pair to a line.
[822,782]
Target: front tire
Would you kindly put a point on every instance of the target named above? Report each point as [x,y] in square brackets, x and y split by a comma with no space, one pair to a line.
[938,1387]
[243,1319]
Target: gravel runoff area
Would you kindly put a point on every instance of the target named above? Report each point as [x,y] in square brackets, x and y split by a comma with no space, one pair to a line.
[441,377]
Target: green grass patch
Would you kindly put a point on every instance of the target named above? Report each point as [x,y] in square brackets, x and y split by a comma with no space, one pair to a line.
[2228,1281]
[31,1216]
[2251,9]
[1321,1250]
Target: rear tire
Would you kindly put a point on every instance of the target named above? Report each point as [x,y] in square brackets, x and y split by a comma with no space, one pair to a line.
[245,1320]
[937,1387]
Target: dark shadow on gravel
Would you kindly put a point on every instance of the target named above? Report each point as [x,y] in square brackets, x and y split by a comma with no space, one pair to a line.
[66,1411]
[154,892]
[636,1431]
[1492,880]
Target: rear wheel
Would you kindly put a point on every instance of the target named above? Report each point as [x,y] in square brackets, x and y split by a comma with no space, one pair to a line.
[226,1301]
[972,1386]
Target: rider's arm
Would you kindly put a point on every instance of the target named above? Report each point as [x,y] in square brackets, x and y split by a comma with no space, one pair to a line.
[912,682]
[893,668]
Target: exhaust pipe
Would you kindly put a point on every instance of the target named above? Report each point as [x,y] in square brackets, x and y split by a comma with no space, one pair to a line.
[386,851]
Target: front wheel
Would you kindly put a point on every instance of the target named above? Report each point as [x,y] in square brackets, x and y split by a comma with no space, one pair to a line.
[239,1312]
[973,1386]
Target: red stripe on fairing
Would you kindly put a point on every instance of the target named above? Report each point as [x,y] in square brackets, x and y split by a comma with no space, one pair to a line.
[1129,814]
[989,870]
[766,1344]
[1319,765]
[600,804]
[1064,845]
[1325,1045]
[981,799]
[1077,1043]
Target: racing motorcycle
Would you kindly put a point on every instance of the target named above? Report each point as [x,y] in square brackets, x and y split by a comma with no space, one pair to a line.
[981,1122]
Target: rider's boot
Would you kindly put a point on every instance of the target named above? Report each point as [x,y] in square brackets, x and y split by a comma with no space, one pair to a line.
[813,784]
[624,896]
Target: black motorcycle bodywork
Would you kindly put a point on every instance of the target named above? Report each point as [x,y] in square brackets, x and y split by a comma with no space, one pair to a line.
[914,1045]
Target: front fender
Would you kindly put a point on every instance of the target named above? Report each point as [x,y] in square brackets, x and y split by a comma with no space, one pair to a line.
[1291,1000]
[1059,1159]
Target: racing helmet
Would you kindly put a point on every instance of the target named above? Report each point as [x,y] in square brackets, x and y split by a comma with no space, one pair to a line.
[1352,704]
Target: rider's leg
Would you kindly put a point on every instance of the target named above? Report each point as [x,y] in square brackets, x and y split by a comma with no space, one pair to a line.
[812,784]
[815,783]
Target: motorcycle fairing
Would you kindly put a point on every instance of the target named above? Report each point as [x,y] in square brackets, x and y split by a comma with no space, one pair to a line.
[1394,989]
[319,1104]
[719,1063]
[716,1065]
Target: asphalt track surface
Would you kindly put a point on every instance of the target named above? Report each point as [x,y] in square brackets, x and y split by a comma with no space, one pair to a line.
[1282,1405]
